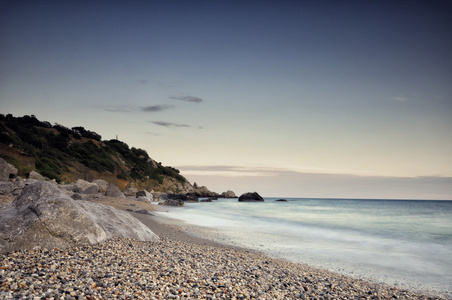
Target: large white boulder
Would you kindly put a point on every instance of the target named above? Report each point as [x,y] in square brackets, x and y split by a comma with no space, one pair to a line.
[44,216]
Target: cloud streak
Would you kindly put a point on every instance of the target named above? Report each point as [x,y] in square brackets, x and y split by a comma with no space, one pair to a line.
[156,108]
[169,124]
[401,99]
[187,99]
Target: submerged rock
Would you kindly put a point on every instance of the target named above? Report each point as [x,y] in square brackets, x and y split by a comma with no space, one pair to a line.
[251,197]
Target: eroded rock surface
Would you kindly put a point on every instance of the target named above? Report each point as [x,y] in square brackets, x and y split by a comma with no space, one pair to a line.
[45,216]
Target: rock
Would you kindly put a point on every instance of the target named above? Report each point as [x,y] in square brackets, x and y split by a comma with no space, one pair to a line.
[143,211]
[159,196]
[228,194]
[144,193]
[251,197]
[281,200]
[44,216]
[85,187]
[113,191]
[131,192]
[77,196]
[93,189]
[7,170]
[173,202]
[102,184]
[35,175]
[6,187]
[206,200]
[191,197]
[68,187]
[143,199]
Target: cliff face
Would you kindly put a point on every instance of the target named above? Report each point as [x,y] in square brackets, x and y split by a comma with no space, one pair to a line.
[67,154]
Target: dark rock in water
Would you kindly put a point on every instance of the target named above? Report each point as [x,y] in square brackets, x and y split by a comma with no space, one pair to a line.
[45,216]
[281,200]
[251,197]
[173,202]
[183,196]
[206,200]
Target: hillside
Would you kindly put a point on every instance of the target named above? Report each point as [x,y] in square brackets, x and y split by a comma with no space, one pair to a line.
[67,154]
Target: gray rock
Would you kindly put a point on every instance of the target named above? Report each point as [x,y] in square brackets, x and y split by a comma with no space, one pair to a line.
[93,189]
[7,170]
[102,184]
[143,211]
[81,186]
[35,175]
[131,192]
[44,216]
[68,187]
[159,196]
[251,197]
[77,196]
[113,191]
[6,187]
[144,193]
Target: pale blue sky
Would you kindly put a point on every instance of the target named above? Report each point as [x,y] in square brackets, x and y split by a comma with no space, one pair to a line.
[272,96]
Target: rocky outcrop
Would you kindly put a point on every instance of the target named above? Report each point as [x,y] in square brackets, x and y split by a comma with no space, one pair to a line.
[183,196]
[45,216]
[251,197]
[228,194]
[281,200]
[173,202]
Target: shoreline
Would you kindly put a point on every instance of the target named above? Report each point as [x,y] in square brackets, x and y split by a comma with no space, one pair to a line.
[174,229]
[181,265]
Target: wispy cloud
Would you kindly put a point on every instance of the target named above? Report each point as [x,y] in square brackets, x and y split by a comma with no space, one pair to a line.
[169,124]
[232,171]
[121,108]
[143,81]
[187,99]
[156,108]
[401,99]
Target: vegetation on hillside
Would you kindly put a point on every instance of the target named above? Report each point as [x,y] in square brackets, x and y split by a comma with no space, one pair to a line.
[57,148]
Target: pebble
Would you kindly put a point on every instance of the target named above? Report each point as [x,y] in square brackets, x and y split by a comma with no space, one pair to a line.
[173,269]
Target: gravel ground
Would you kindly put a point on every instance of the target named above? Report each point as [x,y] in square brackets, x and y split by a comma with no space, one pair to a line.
[173,269]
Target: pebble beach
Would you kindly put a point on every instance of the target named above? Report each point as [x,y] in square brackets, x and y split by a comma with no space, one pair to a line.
[178,266]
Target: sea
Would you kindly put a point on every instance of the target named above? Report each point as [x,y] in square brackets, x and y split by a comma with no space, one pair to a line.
[403,243]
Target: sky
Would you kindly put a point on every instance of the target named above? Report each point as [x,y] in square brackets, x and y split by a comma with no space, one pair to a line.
[335,99]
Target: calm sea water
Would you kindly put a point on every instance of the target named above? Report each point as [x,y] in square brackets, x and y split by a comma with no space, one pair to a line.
[399,242]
